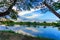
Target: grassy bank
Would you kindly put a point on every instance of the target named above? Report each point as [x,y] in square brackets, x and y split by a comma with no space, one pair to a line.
[11,23]
[10,35]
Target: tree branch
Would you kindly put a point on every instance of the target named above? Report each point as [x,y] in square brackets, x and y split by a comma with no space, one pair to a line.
[52,10]
[9,9]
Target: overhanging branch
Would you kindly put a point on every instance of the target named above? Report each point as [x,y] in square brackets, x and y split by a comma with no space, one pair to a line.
[52,10]
[9,9]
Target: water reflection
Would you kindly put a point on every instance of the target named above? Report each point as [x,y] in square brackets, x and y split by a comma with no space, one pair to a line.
[42,31]
[44,26]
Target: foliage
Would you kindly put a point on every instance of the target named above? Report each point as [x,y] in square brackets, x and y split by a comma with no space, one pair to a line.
[56,6]
[7,31]
[13,14]
[58,24]
[11,23]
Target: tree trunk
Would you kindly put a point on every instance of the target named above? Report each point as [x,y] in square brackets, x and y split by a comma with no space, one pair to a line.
[52,10]
[8,11]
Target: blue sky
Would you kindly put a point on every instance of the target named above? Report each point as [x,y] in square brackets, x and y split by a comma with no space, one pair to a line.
[37,15]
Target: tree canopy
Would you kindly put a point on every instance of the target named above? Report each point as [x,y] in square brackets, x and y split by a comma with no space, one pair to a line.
[7,5]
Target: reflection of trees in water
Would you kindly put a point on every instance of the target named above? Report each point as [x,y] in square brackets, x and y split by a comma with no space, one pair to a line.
[44,26]
[36,26]
[28,25]
[32,26]
[59,28]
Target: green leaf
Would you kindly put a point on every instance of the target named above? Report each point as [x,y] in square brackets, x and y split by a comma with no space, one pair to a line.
[13,14]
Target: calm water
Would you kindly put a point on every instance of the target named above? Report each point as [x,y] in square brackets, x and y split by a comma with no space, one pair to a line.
[42,31]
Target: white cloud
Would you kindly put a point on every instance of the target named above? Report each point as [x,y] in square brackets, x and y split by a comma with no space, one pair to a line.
[55,0]
[32,13]
[33,16]
[21,13]
[24,33]
[26,12]
[33,29]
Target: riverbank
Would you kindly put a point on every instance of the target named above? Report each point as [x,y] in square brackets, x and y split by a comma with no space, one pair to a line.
[10,35]
[11,23]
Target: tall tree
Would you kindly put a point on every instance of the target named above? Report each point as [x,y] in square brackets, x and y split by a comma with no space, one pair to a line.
[26,5]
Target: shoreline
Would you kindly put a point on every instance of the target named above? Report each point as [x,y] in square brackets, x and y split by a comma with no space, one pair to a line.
[11,23]
[8,35]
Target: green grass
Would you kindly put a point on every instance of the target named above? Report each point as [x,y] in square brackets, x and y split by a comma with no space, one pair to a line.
[9,31]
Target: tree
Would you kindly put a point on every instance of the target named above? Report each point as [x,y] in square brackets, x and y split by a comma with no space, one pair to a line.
[56,5]
[44,22]
[26,5]
[9,6]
